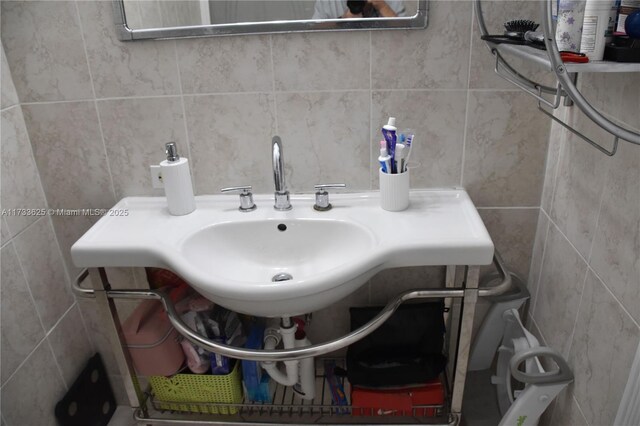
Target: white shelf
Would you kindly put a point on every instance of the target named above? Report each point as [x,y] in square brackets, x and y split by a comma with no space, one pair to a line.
[541,58]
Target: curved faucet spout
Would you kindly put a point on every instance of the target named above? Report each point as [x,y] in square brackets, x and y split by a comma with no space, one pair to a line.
[278,165]
[281,194]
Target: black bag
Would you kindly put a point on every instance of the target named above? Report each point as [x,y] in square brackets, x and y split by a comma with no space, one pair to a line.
[405,350]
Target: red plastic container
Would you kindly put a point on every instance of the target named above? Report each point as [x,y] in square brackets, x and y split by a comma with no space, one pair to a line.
[397,402]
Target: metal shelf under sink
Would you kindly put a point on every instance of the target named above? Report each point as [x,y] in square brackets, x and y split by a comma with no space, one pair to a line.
[288,408]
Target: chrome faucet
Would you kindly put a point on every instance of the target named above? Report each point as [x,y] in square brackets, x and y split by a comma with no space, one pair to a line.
[281,195]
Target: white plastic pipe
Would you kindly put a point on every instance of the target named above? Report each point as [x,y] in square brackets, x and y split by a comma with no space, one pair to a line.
[271,340]
[306,386]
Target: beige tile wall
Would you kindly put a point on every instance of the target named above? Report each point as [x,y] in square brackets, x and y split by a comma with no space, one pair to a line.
[326,94]
[585,272]
[44,343]
[98,112]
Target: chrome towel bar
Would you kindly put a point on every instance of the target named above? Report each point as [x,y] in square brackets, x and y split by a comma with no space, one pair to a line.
[307,351]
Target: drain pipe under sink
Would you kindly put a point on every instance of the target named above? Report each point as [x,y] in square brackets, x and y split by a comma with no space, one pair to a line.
[306,386]
[272,337]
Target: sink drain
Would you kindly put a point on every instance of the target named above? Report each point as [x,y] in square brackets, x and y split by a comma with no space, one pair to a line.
[283,276]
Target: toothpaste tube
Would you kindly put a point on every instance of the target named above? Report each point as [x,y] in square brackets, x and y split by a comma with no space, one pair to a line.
[389,132]
[384,158]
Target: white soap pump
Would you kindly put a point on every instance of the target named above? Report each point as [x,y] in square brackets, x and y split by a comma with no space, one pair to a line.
[174,176]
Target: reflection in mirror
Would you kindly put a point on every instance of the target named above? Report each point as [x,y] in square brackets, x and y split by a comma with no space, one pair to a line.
[143,14]
[334,9]
[173,18]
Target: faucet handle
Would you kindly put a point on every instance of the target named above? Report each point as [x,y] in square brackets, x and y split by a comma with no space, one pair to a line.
[246,197]
[322,196]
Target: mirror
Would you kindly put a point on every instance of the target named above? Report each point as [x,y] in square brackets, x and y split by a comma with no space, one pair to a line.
[158,19]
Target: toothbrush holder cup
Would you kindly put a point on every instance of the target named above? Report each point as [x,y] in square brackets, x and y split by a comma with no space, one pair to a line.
[394,191]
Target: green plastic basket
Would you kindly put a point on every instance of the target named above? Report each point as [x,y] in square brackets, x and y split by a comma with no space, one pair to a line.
[198,393]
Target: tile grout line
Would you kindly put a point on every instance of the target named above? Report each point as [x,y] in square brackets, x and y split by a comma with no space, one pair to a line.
[62,101]
[13,237]
[9,108]
[554,185]
[62,317]
[539,329]
[95,102]
[546,165]
[575,321]
[24,361]
[486,89]
[65,101]
[118,98]
[64,262]
[42,192]
[465,132]
[104,147]
[26,280]
[569,241]
[41,186]
[636,323]
[85,327]
[597,224]
[540,269]
[372,152]
[508,208]
[544,341]
[55,361]
[580,409]
[3,224]
[563,148]
[590,268]
[561,153]
[46,335]
[552,413]
[184,112]
[46,200]
[273,85]
[628,407]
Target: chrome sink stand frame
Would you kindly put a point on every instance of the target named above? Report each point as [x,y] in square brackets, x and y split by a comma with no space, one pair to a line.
[463,303]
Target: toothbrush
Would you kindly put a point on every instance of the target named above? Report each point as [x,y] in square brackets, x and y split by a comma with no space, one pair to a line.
[408,144]
[400,158]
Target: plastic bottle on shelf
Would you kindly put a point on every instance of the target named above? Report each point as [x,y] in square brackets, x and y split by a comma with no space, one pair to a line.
[597,28]
[569,24]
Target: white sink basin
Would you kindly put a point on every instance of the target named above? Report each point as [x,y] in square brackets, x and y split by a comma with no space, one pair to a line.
[268,250]
[274,263]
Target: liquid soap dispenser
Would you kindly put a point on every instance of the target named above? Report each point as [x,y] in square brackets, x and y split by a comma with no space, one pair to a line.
[174,176]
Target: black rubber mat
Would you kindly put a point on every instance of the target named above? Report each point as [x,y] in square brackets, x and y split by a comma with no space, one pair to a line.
[90,401]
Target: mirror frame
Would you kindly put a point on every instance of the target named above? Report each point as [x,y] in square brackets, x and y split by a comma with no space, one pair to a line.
[418,21]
